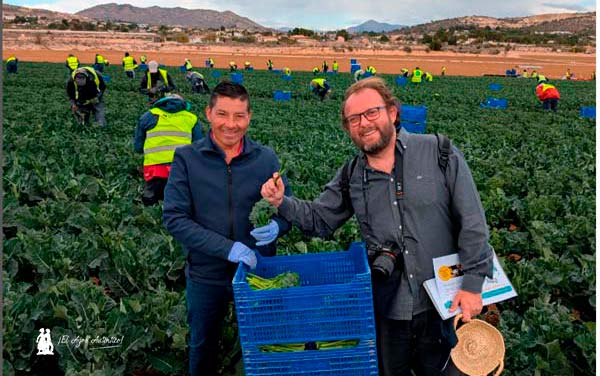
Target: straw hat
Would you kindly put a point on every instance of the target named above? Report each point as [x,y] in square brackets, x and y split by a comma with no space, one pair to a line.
[480,348]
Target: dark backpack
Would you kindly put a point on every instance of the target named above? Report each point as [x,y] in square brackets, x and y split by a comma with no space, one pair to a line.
[444,151]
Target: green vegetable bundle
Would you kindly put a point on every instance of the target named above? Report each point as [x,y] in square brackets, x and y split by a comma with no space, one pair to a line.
[317,345]
[283,280]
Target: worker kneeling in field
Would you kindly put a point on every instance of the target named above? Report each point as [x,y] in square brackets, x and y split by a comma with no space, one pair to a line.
[212,188]
[165,127]
[198,83]
[320,87]
[86,89]
[548,94]
[156,82]
[12,65]
[415,200]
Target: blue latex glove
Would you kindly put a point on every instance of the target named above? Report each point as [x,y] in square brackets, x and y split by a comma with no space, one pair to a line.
[240,253]
[266,234]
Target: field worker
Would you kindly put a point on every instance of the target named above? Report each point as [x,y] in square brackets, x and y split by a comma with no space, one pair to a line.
[129,65]
[198,83]
[417,76]
[534,74]
[86,89]
[143,59]
[320,87]
[99,63]
[371,69]
[428,77]
[358,75]
[211,62]
[72,62]
[443,70]
[247,65]
[188,65]
[404,72]
[593,76]
[287,71]
[212,187]
[269,64]
[335,66]
[406,221]
[156,82]
[12,64]
[232,66]
[568,74]
[524,74]
[548,94]
[540,77]
[324,66]
[165,127]
[315,71]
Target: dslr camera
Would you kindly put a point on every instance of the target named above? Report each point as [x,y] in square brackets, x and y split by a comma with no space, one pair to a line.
[382,260]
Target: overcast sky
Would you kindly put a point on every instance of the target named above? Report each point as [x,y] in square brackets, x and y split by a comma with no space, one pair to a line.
[331,15]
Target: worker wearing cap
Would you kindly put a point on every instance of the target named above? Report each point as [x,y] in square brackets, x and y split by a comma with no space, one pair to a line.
[129,65]
[198,83]
[86,89]
[168,125]
[548,94]
[156,82]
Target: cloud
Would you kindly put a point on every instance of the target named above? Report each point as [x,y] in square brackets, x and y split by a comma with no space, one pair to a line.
[566,6]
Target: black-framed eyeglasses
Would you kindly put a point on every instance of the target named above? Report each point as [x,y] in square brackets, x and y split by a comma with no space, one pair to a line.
[371,114]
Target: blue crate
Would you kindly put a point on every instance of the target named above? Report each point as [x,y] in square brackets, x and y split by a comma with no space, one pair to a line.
[358,361]
[182,69]
[496,103]
[366,75]
[588,112]
[413,118]
[511,73]
[401,81]
[285,77]
[277,71]
[354,68]
[334,300]
[106,78]
[495,87]
[353,61]
[215,74]
[413,128]
[237,78]
[279,95]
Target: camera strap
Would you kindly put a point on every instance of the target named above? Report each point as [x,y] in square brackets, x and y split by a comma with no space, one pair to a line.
[399,179]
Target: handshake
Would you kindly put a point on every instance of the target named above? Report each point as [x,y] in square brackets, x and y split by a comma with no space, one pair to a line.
[264,235]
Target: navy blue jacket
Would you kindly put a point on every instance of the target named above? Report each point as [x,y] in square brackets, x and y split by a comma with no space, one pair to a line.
[149,121]
[207,204]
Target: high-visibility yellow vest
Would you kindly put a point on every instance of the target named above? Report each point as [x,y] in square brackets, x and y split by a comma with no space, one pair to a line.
[319,81]
[541,77]
[99,59]
[269,64]
[534,74]
[172,130]
[128,64]
[143,58]
[12,58]
[335,66]
[315,70]
[428,77]
[72,62]
[188,65]
[163,73]
[416,77]
[287,71]
[96,80]
[525,75]
[371,69]
[211,61]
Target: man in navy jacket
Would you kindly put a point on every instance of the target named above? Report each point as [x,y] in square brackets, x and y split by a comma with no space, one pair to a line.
[212,187]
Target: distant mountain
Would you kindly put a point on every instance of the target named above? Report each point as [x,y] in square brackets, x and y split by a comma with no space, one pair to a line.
[555,22]
[200,18]
[11,11]
[375,26]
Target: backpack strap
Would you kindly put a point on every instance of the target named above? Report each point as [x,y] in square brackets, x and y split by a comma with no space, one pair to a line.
[347,170]
[445,149]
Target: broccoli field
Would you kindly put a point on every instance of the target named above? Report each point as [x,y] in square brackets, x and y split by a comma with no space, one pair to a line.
[84,257]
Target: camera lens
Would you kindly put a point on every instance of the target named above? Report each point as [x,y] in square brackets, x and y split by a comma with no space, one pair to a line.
[383,266]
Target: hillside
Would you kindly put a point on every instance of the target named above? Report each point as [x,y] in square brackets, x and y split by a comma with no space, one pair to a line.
[199,18]
[569,22]
[375,26]
[9,12]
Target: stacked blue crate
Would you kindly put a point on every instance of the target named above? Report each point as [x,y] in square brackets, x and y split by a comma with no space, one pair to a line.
[334,302]
[279,95]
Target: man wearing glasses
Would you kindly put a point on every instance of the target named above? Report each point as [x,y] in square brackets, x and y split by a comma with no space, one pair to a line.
[409,210]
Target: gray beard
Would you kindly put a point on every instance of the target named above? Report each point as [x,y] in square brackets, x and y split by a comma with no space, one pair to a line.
[376,148]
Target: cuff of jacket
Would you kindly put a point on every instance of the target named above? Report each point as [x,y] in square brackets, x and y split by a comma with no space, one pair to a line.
[472,283]
[285,208]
